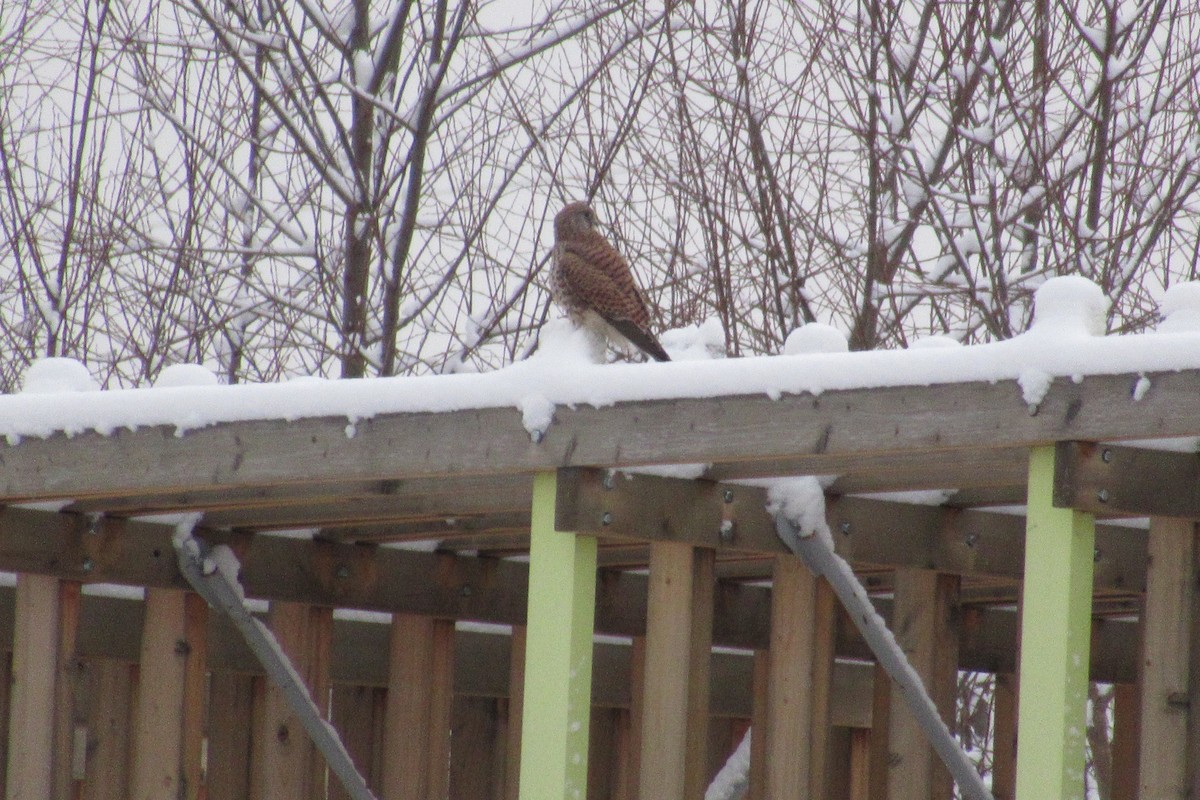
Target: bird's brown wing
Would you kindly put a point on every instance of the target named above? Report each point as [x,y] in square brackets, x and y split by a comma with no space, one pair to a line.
[596,275]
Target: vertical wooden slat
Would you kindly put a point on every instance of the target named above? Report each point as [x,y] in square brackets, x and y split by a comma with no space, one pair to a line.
[631,767]
[109,720]
[1055,635]
[790,695]
[67,687]
[1165,662]
[474,731]
[558,662]
[354,711]
[923,622]
[288,764]
[602,754]
[756,788]
[880,735]
[417,725]
[860,763]
[1126,713]
[1004,747]
[678,648]
[31,718]
[195,693]
[516,693]
[172,646]
[6,679]
[824,636]
[230,734]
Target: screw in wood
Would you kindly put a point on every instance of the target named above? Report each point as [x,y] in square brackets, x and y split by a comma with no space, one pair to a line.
[606,518]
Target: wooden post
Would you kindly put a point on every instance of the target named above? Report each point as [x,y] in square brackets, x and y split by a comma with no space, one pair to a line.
[68,694]
[678,652]
[168,715]
[558,661]
[792,688]
[288,763]
[109,720]
[923,621]
[1126,713]
[757,790]
[1164,665]
[1055,637]
[32,716]
[630,769]
[419,705]
[230,733]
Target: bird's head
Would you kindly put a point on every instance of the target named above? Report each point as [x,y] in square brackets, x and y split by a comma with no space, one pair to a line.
[575,219]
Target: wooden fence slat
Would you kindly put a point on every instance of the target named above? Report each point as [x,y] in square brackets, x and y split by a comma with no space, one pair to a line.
[1165,662]
[678,647]
[168,723]
[109,689]
[1004,741]
[417,725]
[756,788]
[230,735]
[1126,713]
[356,713]
[922,621]
[516,694]
[473,737]
[67,688]
[31,716]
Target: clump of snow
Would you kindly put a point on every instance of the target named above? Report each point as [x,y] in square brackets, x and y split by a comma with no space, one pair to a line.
[185,375]
[1181,308]
[733,779]
[52,375]
[687,471]
[562,340]
[933,342]
[1070,304]
[815,337]
[802,502]
[702,342]
[1034,384]
[536,415]
[1141,387]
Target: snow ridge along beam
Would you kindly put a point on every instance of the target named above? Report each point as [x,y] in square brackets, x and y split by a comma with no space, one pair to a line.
[824,562]
[222,592]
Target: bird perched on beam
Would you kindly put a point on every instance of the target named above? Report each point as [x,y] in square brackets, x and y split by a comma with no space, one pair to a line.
[594,285]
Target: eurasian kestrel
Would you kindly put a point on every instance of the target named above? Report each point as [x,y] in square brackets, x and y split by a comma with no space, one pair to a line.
[594,285]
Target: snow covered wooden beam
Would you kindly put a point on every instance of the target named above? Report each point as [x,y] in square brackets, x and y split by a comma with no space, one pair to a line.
[555,720]
[1055,640]
[845,431]
[1116,479]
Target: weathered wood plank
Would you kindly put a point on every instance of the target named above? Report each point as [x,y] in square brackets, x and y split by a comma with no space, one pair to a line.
[67,691]
[1115,479]
[756,788]
[791,686]
[923,623]
[1004,747]
[230,732]
[864,422]
[1126,714]
[516,705]
[1166,658]
[35,666]
[733,518]
[675,695]
[357,713]
[109,721]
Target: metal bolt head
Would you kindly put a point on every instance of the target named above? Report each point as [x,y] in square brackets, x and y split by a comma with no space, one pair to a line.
[88,565]
[844,528]
[1097,555]
[466,590]
[606,518]
[729,495]
[971,539]
[608,480]
[343,571]
[1102,495]
[1106,455]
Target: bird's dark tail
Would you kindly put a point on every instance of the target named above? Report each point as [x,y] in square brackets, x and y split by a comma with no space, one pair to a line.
[640,339]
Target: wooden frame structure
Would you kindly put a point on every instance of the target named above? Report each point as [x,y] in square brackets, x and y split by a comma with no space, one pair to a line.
[114,697]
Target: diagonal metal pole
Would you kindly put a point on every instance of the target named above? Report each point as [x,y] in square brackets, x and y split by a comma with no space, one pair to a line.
[821,559]
[201,566]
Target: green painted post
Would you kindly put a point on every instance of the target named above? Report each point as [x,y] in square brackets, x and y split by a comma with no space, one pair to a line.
[1056,620]
[558,655]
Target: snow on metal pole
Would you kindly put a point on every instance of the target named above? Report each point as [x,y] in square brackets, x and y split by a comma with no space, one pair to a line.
[821,559]
[212,572]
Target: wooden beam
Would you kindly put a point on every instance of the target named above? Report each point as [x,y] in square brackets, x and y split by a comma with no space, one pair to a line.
[35,667]
[558,661]
[732,518]
[1166,658]
[858,426]
[1056,605]
[1116,479]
